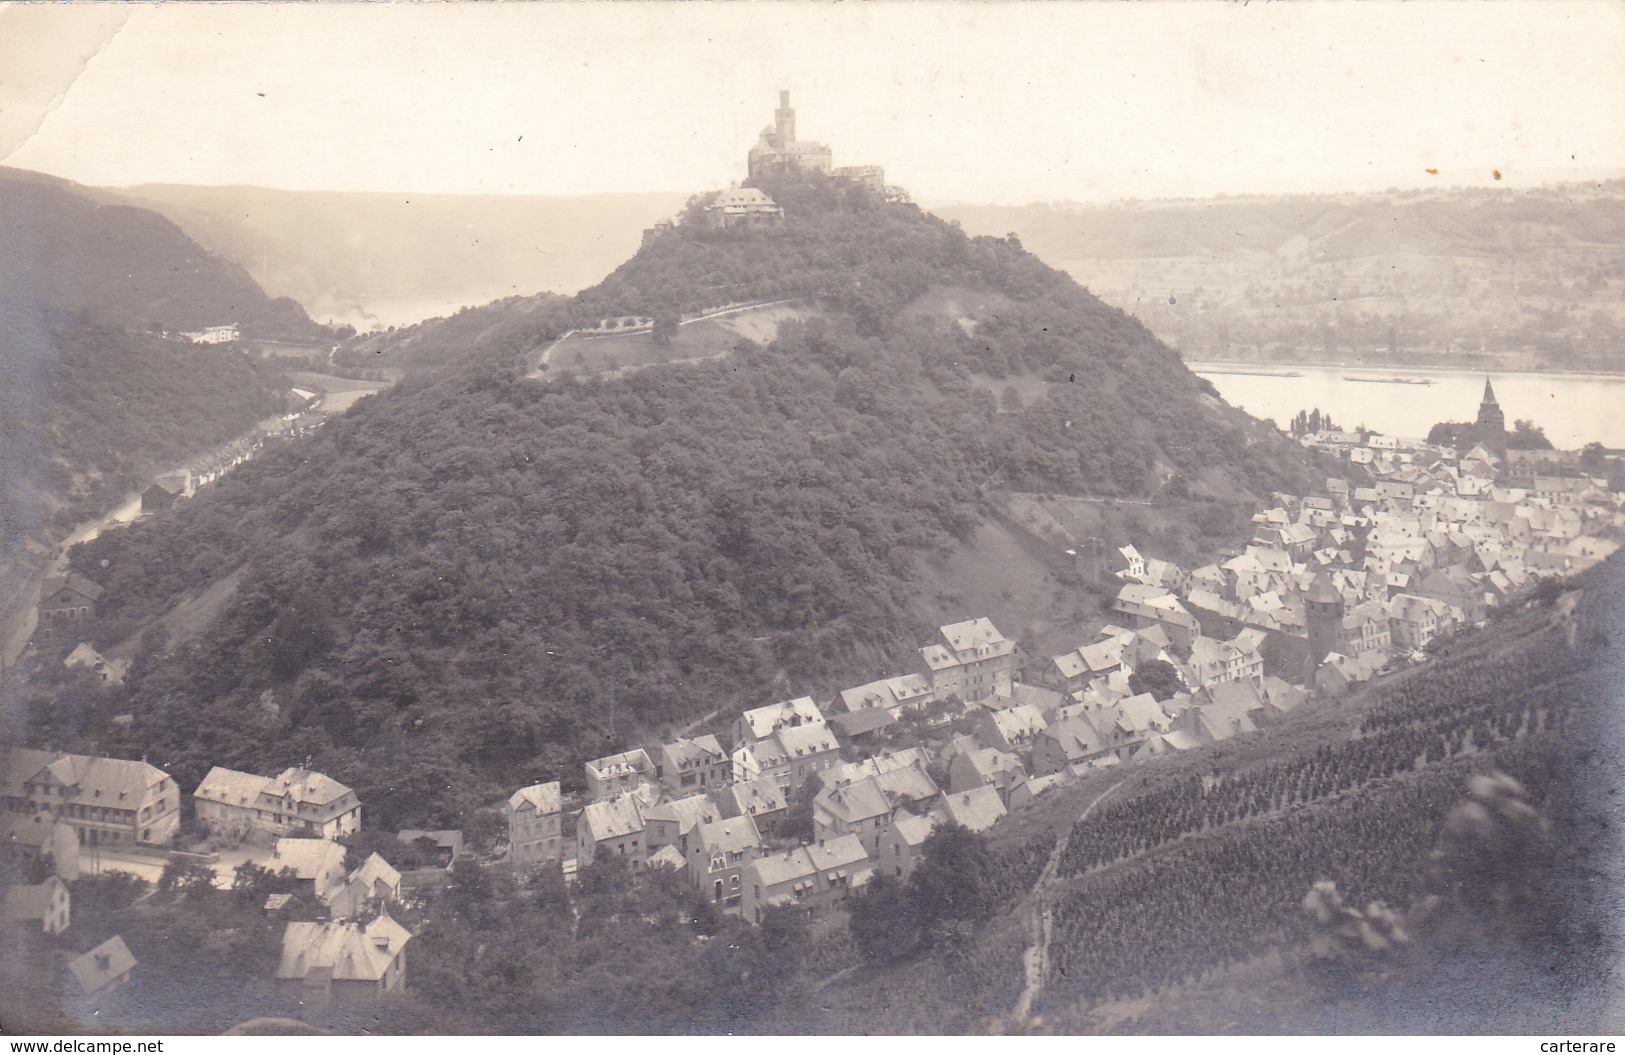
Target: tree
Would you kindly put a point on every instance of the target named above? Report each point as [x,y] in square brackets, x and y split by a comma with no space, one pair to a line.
[182,878]
[884,921]
[1158,677]
[664,327]
[1527,436]
[954,883]
[1594,458]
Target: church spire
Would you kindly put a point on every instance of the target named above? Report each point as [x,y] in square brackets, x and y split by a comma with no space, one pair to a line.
[1489,393]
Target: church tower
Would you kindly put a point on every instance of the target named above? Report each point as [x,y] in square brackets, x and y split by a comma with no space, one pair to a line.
[1323,613]
[1491,427]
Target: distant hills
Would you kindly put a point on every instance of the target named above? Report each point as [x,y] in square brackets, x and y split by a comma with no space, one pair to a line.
[65,248]
[378,260]
[1482,278]
[94,398]
[480,577]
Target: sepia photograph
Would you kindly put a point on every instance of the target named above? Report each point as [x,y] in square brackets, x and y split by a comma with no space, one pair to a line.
[699,520]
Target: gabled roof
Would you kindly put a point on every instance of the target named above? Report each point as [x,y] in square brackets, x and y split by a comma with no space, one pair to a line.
[21,829]
[347,952]
[912,830]
[612,818]
[308,858]
[668,856]
[976,809]
[687,813]
[1039,698]
[906,782]
[761,721]
[542,798]
[1020,722]
[376,870]
[857,723]
[72,582]
[734,835]
[873,766]
[1077,737]
[855,802]
[31,902]
[98,780]
[102,966]
[697,750]
[793,742]
[755,797]
[306,786]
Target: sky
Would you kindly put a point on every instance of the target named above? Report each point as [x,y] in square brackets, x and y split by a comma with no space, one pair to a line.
[994,102]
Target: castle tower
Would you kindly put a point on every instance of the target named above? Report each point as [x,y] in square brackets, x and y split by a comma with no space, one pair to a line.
[1323,613]
[1491,427]
[784,122]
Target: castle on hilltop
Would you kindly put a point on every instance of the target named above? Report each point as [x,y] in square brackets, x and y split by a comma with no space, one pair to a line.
[778,150]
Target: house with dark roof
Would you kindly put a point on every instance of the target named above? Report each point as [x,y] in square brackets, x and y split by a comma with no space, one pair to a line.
[985,767]
[66,601]
[1073,741]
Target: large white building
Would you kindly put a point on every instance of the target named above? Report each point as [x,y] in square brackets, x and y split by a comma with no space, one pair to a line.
[296,802]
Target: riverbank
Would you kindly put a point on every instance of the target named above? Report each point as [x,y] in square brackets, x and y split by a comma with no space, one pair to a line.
[1277,368]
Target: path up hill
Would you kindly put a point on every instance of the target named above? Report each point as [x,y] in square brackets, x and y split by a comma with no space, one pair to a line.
[479,578]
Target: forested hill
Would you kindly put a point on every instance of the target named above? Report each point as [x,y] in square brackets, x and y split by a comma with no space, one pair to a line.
[477,579]
[63,249]
[93,401]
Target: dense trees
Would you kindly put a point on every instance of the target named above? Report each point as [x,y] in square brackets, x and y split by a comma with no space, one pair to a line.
[438,595]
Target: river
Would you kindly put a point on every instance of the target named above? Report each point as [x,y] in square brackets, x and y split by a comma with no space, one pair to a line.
[1573,409]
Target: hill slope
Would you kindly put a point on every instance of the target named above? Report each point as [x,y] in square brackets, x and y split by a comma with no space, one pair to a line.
[62,248]
[477,579]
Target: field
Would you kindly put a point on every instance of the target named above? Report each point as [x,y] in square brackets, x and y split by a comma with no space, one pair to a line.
[697,340]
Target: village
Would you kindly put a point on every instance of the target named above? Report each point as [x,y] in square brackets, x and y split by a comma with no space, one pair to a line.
[803,801]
